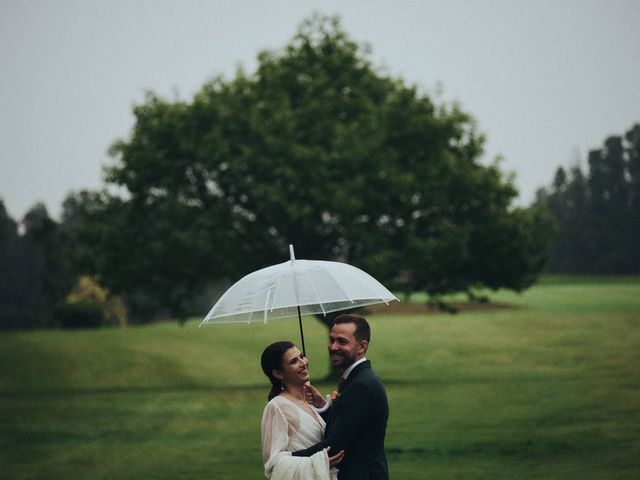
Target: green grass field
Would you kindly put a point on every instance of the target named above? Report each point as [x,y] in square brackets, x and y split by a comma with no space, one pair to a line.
[547,389]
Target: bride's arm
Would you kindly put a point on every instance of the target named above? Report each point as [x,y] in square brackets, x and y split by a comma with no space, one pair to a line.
[275,436]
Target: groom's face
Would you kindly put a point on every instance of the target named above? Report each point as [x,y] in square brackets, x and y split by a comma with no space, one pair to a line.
[344,349]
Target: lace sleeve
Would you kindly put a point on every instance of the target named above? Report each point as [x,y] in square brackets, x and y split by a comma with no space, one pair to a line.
[275,436]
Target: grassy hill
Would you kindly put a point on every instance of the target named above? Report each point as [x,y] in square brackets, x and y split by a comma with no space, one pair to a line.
[546,389]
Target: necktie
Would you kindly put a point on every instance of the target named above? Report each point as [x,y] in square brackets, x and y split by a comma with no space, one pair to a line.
[341,383]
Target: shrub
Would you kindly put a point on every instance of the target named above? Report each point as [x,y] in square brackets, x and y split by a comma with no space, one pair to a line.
[90,305]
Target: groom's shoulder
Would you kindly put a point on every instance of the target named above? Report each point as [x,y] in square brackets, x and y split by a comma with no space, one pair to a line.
[367,375]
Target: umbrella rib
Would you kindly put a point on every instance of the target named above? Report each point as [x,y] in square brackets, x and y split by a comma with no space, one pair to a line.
[206,319]
[266,305]
[273,300]
[345,291]
[342,289]
[375,294]
[315,292]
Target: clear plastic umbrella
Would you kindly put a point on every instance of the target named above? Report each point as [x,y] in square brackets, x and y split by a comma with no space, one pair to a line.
[299,287]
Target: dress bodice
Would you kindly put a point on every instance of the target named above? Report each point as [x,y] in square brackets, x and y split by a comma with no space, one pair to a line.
[286,428]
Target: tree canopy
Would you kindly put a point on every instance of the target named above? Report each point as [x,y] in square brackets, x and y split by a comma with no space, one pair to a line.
[318,148]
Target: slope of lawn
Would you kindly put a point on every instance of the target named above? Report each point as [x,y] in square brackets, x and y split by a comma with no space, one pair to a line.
[546,389]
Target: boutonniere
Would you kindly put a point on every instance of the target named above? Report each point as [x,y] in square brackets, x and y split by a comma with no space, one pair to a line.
[335,395]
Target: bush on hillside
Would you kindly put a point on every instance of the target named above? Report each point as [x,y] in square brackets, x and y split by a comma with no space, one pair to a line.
[90,305]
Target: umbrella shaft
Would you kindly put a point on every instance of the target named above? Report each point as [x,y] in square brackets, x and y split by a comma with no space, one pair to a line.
[301,332]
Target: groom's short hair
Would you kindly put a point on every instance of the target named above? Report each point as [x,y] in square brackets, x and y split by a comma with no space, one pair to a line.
[363,330]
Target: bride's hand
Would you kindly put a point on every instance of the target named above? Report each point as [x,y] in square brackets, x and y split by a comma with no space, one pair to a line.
[336,459]
[313,396]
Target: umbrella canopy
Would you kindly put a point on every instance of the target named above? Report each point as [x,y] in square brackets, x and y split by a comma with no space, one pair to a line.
[297,287]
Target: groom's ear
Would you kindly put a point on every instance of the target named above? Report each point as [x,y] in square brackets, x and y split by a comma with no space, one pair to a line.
[364,345]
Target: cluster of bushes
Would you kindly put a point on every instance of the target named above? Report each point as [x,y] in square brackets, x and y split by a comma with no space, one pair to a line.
[89,305]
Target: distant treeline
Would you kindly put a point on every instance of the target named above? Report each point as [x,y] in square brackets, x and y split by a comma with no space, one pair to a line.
[42,280]
[597,212]
[29,268]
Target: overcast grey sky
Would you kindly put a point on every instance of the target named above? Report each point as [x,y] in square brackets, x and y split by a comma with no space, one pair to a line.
[546,80]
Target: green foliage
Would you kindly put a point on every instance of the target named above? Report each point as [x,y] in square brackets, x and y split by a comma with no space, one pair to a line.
[598,213]
[320,149]
[548,389]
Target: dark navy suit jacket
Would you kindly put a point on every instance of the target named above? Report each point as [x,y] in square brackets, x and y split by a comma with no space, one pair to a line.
[356,423]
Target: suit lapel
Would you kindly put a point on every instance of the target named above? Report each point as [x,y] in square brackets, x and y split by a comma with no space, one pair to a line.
[334,411]
[356,371]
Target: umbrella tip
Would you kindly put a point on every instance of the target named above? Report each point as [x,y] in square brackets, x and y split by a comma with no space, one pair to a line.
[293,257]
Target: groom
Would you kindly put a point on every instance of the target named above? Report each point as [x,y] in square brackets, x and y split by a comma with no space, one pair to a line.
[357,418]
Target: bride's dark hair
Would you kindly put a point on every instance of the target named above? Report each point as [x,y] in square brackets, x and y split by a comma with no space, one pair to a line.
[272,360]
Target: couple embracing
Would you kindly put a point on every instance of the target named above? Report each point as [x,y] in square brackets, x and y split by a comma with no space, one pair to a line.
[306,436]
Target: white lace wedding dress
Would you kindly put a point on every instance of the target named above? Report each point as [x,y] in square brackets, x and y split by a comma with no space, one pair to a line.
[285,428]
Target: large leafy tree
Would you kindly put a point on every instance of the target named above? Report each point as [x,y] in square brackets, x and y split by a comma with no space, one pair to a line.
[321,149]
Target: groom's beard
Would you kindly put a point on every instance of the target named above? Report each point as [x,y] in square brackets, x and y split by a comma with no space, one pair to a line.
[340,360]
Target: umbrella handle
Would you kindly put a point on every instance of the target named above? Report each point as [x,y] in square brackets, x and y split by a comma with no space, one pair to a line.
[301,332]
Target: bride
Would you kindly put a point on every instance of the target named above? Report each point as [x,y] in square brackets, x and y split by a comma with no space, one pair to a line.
[289,423]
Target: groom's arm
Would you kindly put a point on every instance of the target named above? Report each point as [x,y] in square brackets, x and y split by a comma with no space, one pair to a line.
[307,452]
[355,414]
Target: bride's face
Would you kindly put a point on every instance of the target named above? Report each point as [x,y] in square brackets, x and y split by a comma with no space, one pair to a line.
[295,367]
